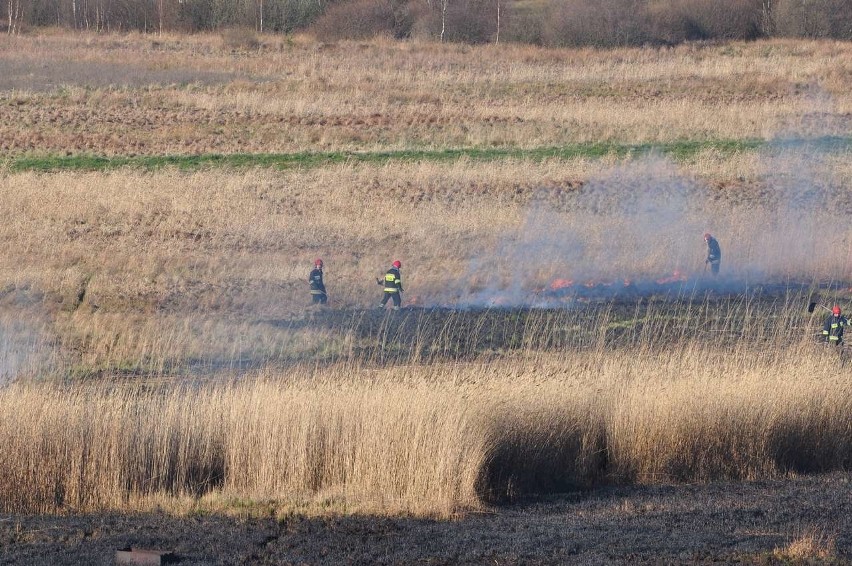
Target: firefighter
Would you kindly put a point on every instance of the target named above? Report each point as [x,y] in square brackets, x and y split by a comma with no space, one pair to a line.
[714,253]
[318,294]
[833,327]
[392,284]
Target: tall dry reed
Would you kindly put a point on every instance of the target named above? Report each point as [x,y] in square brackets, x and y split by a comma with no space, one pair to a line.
[427,440]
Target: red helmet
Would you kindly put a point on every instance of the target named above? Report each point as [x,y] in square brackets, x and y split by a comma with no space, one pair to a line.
[397,264]
[318,262]
[707,235]
[836,310]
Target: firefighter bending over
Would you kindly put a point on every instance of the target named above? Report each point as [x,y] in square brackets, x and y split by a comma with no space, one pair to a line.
[318,294]
[714,253]
[393,286]
[833,327]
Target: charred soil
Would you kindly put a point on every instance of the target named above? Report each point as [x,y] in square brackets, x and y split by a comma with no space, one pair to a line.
[735,523]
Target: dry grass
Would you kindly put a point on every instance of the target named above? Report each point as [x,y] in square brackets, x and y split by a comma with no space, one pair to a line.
[146,272]
[241,242]
[26,345]
[128,94]
[810,545]
[424,440]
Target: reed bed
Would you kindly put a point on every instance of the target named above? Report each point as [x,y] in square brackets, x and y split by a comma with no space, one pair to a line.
[430,440]
[437,438]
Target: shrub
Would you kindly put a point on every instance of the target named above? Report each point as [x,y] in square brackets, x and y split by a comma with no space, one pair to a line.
[809,18]
[471,21]
[240,38]
[290,15]
[197,15]
[674,21]
[361,19]
[609,23]
[522,24]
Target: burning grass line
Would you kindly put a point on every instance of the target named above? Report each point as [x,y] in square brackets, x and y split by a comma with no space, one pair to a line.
[681,150]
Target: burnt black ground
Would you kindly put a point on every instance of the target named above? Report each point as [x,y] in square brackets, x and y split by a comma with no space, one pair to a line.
[686,524]
[571,322]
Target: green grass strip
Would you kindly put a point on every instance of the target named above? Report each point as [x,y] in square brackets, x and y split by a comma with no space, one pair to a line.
[680,150]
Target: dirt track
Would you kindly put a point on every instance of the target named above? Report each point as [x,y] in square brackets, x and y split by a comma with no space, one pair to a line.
[726,522]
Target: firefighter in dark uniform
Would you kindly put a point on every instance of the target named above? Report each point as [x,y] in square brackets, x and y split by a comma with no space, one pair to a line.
[392,284]
[714,253]
[318,294]
[832,330]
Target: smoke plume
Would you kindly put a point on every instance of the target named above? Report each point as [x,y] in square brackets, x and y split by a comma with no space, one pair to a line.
[640,224]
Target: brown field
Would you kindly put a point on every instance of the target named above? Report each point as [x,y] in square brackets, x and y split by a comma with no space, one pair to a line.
[132,94]
[161,367]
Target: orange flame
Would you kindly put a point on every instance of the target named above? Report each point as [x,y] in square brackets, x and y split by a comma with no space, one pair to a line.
[675,277]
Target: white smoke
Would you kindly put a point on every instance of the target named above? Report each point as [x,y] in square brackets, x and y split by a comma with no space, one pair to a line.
[631,220]
[644,220]
[24,350]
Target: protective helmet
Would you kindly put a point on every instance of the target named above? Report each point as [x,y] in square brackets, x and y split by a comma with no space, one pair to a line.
[318,262]
[707,235]
[397,264]
[836,310]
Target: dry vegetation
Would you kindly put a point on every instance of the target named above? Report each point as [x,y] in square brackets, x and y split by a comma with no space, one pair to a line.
[426,440]
[113,283]
[240,242]
[811,545]
[130,94]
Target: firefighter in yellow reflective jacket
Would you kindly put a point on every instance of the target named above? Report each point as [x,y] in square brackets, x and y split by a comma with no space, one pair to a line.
[392,284]
[833,327]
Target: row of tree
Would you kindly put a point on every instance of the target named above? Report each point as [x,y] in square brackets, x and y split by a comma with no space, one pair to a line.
[157,16]
[553,22]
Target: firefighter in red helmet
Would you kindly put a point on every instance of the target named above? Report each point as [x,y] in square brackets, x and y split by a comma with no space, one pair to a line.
[318,293]
[832,330]
[392,284]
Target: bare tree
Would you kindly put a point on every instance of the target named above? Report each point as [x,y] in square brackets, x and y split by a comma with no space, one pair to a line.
[497,35]
[444,5]
[16,14]
[767,18]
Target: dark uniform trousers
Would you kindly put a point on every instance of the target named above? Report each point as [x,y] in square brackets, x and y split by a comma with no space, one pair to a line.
[393,288]
[318,295]
[714,255]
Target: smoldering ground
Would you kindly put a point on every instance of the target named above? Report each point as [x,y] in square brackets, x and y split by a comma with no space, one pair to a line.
[641,222]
